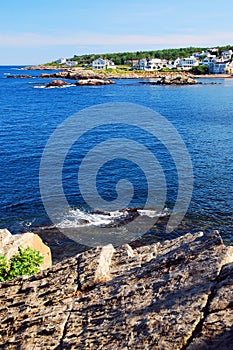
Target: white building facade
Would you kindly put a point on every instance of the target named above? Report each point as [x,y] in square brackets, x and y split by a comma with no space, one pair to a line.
[188,63]
[100,63]
[61,61]
[71,63]
[227,54]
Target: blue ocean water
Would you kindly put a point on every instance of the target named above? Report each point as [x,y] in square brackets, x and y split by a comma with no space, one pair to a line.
[202,114]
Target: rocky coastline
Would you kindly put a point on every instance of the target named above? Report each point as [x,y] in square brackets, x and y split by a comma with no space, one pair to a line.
[81,77]
[90,74]
[171,295]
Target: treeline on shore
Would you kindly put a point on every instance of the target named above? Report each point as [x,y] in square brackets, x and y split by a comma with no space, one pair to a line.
[122,58]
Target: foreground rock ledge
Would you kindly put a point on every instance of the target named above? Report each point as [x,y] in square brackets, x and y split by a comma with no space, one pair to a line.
[173,295]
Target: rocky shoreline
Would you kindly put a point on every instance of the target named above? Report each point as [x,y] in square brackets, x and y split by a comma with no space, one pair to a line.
[89,77]
[171,295]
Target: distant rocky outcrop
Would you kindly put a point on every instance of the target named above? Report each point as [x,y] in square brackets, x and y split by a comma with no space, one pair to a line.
[42,67]
[9,245]
[56,83]
[172,80]
[74,75]
[94,82]
[177,80]
[84,77]
[171,295]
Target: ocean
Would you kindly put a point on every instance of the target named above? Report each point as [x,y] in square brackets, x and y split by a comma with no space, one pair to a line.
[201,114]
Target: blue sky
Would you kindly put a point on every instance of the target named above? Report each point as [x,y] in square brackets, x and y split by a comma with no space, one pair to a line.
[39,31]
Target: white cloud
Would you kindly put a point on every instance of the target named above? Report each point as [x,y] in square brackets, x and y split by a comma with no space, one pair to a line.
[37,40]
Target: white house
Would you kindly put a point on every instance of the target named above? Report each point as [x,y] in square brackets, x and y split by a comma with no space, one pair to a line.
[188,63]
[71,63]
[61,61]
[100,63]
[155,64]
[176,62]
[207,60]
[227,54]
[150,64]
[199,54]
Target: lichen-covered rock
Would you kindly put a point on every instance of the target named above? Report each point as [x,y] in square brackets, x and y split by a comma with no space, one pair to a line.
[171,295]
[9,245]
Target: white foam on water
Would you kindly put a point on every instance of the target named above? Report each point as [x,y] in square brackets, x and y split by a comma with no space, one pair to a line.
[153,213]
[53,87]
[77,218]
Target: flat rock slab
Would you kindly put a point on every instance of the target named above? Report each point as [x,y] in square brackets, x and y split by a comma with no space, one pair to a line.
[171,295]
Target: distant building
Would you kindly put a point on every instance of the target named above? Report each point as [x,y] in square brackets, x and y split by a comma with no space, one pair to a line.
[135,64]
[100,63]
[220,67]
[229,68]
[188,63]
[61,61]
[142,64]
[71,63]
[176,62]
[227,54]
[150,64]
[153,64]
[199,54]
[207,60]
[213,50]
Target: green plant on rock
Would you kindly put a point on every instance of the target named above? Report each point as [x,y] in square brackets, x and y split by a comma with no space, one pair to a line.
[25,262]
[3,268]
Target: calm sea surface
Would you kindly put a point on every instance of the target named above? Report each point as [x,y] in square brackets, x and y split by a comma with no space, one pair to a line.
[202,114]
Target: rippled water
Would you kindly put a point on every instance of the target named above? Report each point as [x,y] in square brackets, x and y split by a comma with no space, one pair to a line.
[202,114]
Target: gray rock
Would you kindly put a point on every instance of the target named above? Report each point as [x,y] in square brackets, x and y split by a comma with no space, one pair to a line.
[171,295]
[94,82]
[177,80]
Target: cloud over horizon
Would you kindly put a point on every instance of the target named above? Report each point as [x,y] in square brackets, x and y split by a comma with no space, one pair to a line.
[33,40]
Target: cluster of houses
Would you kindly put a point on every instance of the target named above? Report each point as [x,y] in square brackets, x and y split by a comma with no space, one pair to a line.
[99,63]
[216,63]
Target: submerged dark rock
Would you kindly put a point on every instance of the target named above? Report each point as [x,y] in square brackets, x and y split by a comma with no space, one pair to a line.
[171,295]
[20,76]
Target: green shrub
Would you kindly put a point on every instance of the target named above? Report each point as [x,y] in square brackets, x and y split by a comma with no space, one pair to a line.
[200,69]
[3,268]
[25,262]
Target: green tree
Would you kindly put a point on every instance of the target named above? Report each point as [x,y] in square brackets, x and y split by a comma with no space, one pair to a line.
[200,70]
